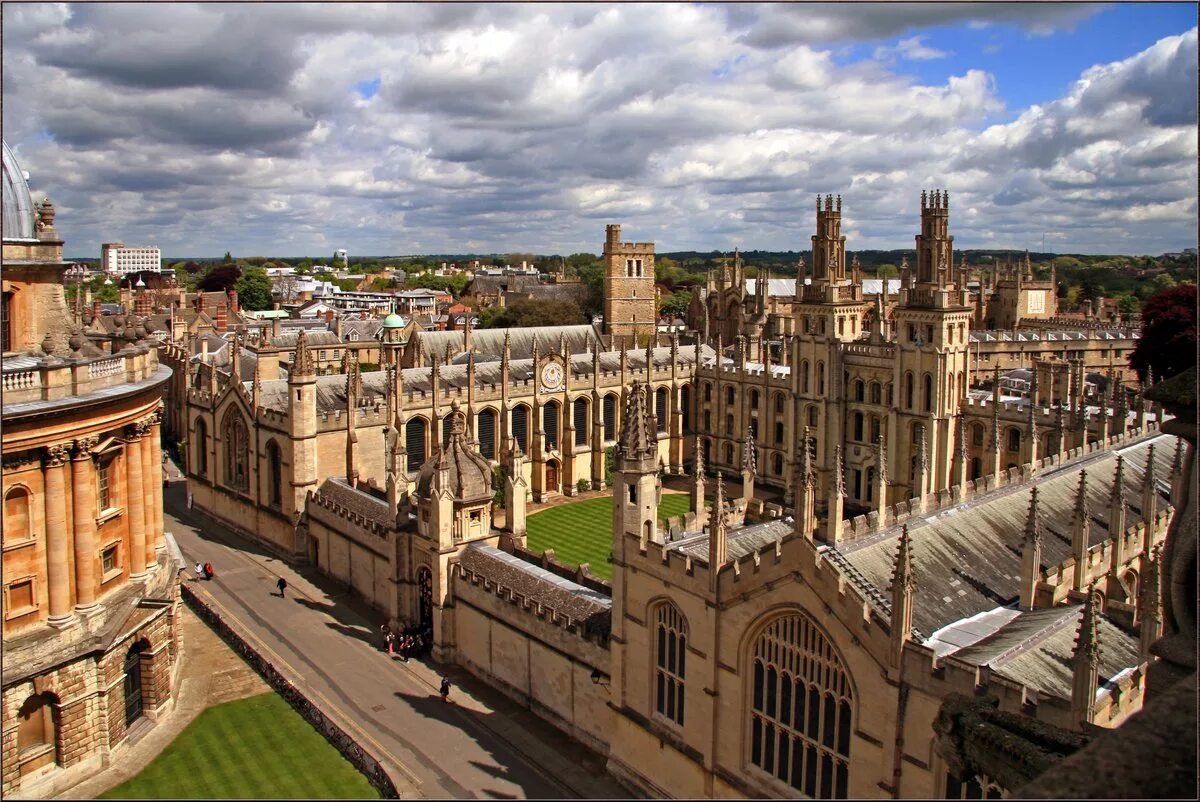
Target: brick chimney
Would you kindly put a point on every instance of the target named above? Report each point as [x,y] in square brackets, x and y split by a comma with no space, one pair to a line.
[233,302]
[142,304]
[328,316]
[222,320]
[96,308]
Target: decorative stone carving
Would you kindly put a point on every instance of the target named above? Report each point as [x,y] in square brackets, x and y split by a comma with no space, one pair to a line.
[84,445]
[56,455]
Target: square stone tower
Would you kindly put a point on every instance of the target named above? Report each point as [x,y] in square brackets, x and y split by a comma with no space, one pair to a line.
[630,306]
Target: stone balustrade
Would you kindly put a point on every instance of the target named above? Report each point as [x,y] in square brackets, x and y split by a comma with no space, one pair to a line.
[48,380]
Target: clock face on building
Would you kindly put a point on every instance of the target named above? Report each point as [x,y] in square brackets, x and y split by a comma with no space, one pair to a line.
[552,377]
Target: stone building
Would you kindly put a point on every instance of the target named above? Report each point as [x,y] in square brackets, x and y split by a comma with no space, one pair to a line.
[90,590]
[630,302]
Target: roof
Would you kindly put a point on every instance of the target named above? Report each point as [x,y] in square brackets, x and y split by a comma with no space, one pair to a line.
[786,287]
[740,542]
[590,608]
[467,475]
[491,341]
[18,204]
[968,557]
[357,501]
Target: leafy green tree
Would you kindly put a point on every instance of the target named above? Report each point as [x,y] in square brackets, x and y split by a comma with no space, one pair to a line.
[1162,281]
[1128,304]
[887,270]
[675,304]
[534,312]
[220,278]
[228,258]
[254,289]
[1168,341]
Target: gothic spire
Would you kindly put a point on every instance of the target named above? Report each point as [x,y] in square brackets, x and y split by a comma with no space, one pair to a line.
[839,471]
[881,459]
[1086,662]
[748,453]
[1033,532]
[303,365]
[903,577]
[717,535]
[637,432]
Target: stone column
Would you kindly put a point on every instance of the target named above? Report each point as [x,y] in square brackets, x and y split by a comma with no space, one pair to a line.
[83,483]
[136,507]
[156,460]
[58,568]
[148,493]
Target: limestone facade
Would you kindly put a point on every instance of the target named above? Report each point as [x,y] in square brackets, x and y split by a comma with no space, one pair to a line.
[89,589]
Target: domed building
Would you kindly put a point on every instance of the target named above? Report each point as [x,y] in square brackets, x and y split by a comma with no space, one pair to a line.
[90,588]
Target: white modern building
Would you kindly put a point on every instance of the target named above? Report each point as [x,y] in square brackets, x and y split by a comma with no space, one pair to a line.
[117,259]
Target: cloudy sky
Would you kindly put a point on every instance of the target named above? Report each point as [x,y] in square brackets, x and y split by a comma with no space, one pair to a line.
[400,129]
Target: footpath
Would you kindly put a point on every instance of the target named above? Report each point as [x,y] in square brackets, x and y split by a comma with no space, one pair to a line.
[482,745]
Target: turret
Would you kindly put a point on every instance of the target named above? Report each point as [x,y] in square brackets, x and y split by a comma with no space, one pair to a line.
[1031,554]
[904,585]
[635,510]
[837,495]
[749,466]
[717,536]
[806,491]
[1085,663]
[515,493]
[1081,526]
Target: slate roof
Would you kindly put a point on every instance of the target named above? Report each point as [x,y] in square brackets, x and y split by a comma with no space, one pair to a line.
[786,287]
[740,542]
[590,608]
[491,341]
[317,338]
[357,501]
[968,558]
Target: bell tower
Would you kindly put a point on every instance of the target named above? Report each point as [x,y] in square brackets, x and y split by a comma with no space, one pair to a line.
[630,307]
[933,333]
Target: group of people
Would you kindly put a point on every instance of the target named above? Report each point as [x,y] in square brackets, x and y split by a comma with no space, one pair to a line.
[408,642]
[204,571]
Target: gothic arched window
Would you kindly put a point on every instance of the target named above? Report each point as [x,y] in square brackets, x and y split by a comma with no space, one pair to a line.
[670,638]
[486,426]
[779,402]
[777,461]
[1014,439]
[908,390]
[610,417]
[927,393]
[579,412]
[729,396]
[274,475]
[858,427]
[821,378]
[812,415]
[977,434]
[237,452]
[550,424]
[800,716]
[876,395]
[660,408]
[16,515]
[414,443]
[754,399]
[685,406]
[520,427]
[859,390]
[804,376]
[201,460]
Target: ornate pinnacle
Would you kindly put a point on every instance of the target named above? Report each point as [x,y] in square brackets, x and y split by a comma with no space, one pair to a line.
[961,421]
[839,469]
[1151,474]
[903,578]
[1118,491]
[1177,462]
[923,453]
[881,459]
[302,365]
[749,458]
[699,459]
[1081,497]
[1087,641]
[1033,533]
[718,512]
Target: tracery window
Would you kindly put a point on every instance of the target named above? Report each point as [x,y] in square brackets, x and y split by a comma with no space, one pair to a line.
[550,424]
[275,475]
[487,433]
[670,634]
[800,717]
[414,443]
[610,417]
[580,413]
[237,452]
[201,449]
[660,408]
[520,427]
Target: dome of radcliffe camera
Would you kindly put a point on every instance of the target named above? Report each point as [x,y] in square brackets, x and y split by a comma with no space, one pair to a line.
[393,321]
[18,204]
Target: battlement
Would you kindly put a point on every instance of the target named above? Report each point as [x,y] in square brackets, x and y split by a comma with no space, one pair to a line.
[935,202]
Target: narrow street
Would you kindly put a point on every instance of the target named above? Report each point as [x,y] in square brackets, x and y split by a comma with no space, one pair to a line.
[482,746]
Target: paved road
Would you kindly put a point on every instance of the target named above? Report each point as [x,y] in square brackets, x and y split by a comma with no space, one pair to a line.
[483,746]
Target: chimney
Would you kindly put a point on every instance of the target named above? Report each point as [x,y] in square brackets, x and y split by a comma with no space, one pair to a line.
[328,316]
[96,308]
[222,320]
[274,327]
[233,301]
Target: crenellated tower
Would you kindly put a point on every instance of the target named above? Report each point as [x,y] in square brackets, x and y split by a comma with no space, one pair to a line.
[630,308]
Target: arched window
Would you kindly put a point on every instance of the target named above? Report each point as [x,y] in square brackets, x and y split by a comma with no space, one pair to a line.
[550,424]
[976,468]
[858,427]
[777,464]
[486,426]
[754,399]
[37,732]
[812,415]
[520,427]
[729,425]
[876,395]
[1014,439]
[670,654]
[927,393]
[201,459]
[779,432]
[708,391]
[876,429]
[729,395]
[908,390]
[414,443]
[804,376]
[685,406]
[579,413]
[821,378]
[800,717]
[237,452]
[728,453]
[16,515]
[610,417]
[859,390]
[977,434]
[447,422]
[779,402]
[660,408]
[274,475]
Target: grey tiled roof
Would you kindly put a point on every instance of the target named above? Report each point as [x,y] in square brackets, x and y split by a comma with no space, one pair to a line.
[357,501]
[491,341]
[588,608]
[740,542]
[968,558]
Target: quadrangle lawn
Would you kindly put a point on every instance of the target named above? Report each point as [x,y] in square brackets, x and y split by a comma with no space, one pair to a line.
[254,748]
[582,532]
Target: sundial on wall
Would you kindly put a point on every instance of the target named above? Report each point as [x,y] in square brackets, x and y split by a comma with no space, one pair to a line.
[552,377]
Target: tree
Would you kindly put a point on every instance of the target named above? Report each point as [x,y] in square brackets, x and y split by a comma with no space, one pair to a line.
[220,278]
[228,258]
[675,304]
[254,289]
[1128,304]
[536,312]
[887,270]
[1168,342]
[1162,281]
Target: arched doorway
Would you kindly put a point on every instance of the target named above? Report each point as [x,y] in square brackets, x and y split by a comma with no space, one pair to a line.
[552,475]
[133,683]
[425,598]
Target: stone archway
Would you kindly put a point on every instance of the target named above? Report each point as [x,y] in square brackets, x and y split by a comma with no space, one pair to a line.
[552,476]
[132,685]
[424,598]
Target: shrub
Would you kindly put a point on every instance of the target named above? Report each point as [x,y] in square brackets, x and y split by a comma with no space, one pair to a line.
[583,485]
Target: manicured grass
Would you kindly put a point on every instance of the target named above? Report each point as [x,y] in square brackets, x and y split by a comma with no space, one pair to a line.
[255,748]
[582,532]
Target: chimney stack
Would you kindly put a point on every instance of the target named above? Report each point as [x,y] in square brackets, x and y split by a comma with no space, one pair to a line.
[222,320]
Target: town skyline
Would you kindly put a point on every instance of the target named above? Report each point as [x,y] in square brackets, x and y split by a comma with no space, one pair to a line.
[439,129]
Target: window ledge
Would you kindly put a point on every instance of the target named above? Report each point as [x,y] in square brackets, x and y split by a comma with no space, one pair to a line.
[10,615]
[17,544]
[34,752]
[111,575]
[108,514]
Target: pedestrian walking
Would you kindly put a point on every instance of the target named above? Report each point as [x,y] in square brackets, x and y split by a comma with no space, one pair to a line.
[209,573]
[445,689]
[199,572]
[388,638]
[282,585]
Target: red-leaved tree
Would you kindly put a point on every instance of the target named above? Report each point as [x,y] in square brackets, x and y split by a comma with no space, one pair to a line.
[1168,342]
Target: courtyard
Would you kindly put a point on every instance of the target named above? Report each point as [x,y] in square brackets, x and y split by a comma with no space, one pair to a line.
[582,532]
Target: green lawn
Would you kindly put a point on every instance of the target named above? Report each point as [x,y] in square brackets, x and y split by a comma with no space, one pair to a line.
[255,748]
[582,532]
